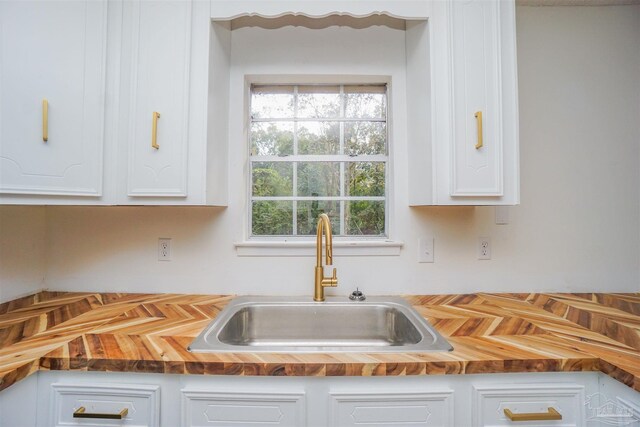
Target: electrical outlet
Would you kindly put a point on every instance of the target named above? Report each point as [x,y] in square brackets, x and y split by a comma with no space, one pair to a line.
[425,249]
[484,248]
[164,249]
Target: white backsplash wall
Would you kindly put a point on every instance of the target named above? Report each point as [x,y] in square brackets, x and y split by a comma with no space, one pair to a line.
[577,229]
[22,250]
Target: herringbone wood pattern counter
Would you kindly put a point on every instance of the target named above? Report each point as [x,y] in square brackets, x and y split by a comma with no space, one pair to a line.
[489,333]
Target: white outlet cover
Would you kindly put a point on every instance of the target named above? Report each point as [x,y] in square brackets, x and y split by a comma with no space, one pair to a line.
[164,249]
[484,248]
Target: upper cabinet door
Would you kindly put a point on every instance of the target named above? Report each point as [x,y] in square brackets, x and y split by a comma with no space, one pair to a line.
[461,68]
[476,149]
[158,98]
[52,80]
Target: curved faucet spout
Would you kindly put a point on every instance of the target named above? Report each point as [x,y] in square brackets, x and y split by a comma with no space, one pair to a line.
[323,228]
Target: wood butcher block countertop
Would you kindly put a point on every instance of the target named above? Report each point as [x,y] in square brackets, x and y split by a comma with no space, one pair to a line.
[489,332]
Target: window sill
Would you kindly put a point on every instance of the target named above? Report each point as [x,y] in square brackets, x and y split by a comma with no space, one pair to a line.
[308,248]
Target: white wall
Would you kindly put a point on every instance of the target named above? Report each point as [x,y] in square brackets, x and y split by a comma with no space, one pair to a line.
[579,71]
[577,229]
[22,250]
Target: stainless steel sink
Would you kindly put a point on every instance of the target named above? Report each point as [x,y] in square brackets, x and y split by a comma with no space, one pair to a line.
[300,325]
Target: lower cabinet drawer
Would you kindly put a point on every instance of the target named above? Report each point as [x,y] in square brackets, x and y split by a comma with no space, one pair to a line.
[397,409]
[239,409]
[101,404]
[529,404]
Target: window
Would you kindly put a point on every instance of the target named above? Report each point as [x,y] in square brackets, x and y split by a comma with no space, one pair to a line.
[314,149]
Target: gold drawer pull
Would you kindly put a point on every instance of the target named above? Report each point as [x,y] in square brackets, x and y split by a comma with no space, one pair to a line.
[551,414]
[80,413]
[154,130]
[45,120]
[478,117]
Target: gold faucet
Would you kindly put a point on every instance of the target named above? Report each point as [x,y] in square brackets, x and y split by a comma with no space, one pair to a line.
[324,227]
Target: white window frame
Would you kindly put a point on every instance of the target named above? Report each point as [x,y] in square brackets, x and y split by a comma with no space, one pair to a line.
[305,245]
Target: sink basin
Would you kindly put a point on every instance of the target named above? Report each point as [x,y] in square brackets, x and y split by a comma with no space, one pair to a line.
[300,325]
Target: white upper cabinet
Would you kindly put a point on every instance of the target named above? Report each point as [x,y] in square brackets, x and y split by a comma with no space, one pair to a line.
[158,97]
[172,111]
[467,152]
[130,96]
[159,75]
[52,97]
[477,139]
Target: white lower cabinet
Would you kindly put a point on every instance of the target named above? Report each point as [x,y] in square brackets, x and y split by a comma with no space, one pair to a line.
[105,399]
[398,409]
[614,402]
[582,399]
[104,404]
[242,408]
[547,404]
[317,401]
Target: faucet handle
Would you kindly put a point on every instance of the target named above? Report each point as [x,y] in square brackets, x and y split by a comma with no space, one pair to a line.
[331,281]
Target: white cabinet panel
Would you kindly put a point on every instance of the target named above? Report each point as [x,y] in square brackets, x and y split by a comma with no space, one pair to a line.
[401,409]
[476,170]
[491,401]
[141,402]
[614,404]
[53,50]
[626,411]
[208,408]
[160,32]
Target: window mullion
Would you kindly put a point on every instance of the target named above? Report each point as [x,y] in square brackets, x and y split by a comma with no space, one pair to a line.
[250,194]
[341,152]
[375,158]
[320,198]
[295,194]
[317,119]
[294,203]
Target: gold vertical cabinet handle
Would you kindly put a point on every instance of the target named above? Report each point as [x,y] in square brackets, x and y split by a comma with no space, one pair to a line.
[551,414]
[154,130]
[478,117]
[81,413]
[45,120]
